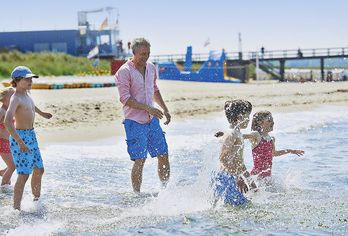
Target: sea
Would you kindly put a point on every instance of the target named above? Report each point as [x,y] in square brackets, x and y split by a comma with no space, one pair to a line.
[86,188]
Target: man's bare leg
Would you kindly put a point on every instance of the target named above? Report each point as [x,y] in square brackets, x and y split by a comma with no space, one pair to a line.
[163,169]
[18,190]
[137,174]
[36,182]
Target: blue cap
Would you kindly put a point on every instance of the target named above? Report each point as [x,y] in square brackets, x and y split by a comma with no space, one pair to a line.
[22,72]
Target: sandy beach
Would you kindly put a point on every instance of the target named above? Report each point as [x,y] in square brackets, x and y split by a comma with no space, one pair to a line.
[88,114]
[87,167]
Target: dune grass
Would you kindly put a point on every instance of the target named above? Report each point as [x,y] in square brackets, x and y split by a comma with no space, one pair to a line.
[50,64]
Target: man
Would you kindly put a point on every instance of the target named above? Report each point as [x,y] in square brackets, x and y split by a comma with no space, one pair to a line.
[136,83]
[23,143]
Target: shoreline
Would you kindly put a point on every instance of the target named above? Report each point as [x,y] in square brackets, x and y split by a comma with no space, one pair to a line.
[96,113]
[108,130]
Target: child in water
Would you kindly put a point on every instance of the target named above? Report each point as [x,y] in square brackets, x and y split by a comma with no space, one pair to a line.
[263,145]
[231,181]
[5,151]
[23,142]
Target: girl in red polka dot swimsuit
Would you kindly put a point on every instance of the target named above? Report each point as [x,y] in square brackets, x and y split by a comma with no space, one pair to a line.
[263,145]
[5,152]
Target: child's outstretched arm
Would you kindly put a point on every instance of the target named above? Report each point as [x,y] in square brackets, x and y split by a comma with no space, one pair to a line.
[248,136]
[286,151]
[253,137]
[43,114]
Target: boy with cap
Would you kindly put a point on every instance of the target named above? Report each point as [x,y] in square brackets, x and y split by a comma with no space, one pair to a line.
[23,143]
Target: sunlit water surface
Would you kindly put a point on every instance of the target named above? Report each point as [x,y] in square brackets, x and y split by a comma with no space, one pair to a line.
[86,187]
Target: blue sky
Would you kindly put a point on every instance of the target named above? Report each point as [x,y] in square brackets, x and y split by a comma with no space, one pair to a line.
[172,25]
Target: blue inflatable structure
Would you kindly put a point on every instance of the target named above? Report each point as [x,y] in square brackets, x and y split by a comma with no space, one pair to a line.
[212,70]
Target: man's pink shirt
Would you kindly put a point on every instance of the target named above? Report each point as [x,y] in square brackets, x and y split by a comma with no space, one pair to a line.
[131,84]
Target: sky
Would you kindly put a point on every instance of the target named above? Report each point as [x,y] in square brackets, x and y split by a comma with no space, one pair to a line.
[171,26]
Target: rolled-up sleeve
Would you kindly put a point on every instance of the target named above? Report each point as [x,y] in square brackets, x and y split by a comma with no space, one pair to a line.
[122,81]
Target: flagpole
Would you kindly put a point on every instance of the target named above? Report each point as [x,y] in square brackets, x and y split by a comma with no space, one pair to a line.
[257,65]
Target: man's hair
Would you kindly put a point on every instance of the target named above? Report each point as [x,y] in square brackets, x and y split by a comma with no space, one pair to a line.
[234,108]
[139,43]
[258,117]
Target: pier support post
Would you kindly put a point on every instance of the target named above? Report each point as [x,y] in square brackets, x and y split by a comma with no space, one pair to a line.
[282,70]
[322,72]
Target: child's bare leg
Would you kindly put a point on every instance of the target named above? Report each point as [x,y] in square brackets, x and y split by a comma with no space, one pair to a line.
[163,168]
[137,174]
[2,172]
[6,177]
[36,182]
[18,190]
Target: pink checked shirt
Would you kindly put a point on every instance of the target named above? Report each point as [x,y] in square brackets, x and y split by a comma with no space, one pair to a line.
[130,83]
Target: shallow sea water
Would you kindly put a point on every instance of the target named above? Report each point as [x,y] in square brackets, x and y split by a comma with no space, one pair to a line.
[87,191]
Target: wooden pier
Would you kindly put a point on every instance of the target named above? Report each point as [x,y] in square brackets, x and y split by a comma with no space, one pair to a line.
[265,58]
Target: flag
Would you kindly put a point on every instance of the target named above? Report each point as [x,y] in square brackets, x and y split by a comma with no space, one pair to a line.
[206,43]
[104,24]
[94,52]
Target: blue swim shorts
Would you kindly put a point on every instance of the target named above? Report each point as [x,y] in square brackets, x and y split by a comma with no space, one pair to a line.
[144,138]
[25,161]
[225,188]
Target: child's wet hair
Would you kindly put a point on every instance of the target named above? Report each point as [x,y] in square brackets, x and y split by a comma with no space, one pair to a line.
[235,108]
[258,117]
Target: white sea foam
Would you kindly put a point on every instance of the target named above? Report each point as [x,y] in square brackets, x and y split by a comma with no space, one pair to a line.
[90,183]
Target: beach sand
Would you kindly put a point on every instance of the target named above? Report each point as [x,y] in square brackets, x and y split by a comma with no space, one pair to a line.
[89,114]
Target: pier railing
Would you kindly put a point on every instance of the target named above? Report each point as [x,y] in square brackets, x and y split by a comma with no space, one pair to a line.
[267,55]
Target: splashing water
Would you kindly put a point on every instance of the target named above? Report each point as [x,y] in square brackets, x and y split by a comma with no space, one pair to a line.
[87,189]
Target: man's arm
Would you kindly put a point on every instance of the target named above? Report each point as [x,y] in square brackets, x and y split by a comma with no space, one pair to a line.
[131,102]
[14,103]
[122,80]
[159,100]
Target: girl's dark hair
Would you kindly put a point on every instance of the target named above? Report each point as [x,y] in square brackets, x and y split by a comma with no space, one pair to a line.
[257,118]
[234,108]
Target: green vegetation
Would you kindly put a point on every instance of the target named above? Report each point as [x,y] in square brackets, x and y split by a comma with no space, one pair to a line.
[195,66]
[50,64]
[252,71]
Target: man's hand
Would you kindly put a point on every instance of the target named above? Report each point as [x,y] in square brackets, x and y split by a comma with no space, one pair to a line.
[168,117]
[155,112]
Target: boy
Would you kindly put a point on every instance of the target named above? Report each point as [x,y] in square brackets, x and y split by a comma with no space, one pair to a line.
[24,146]
[230,182]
